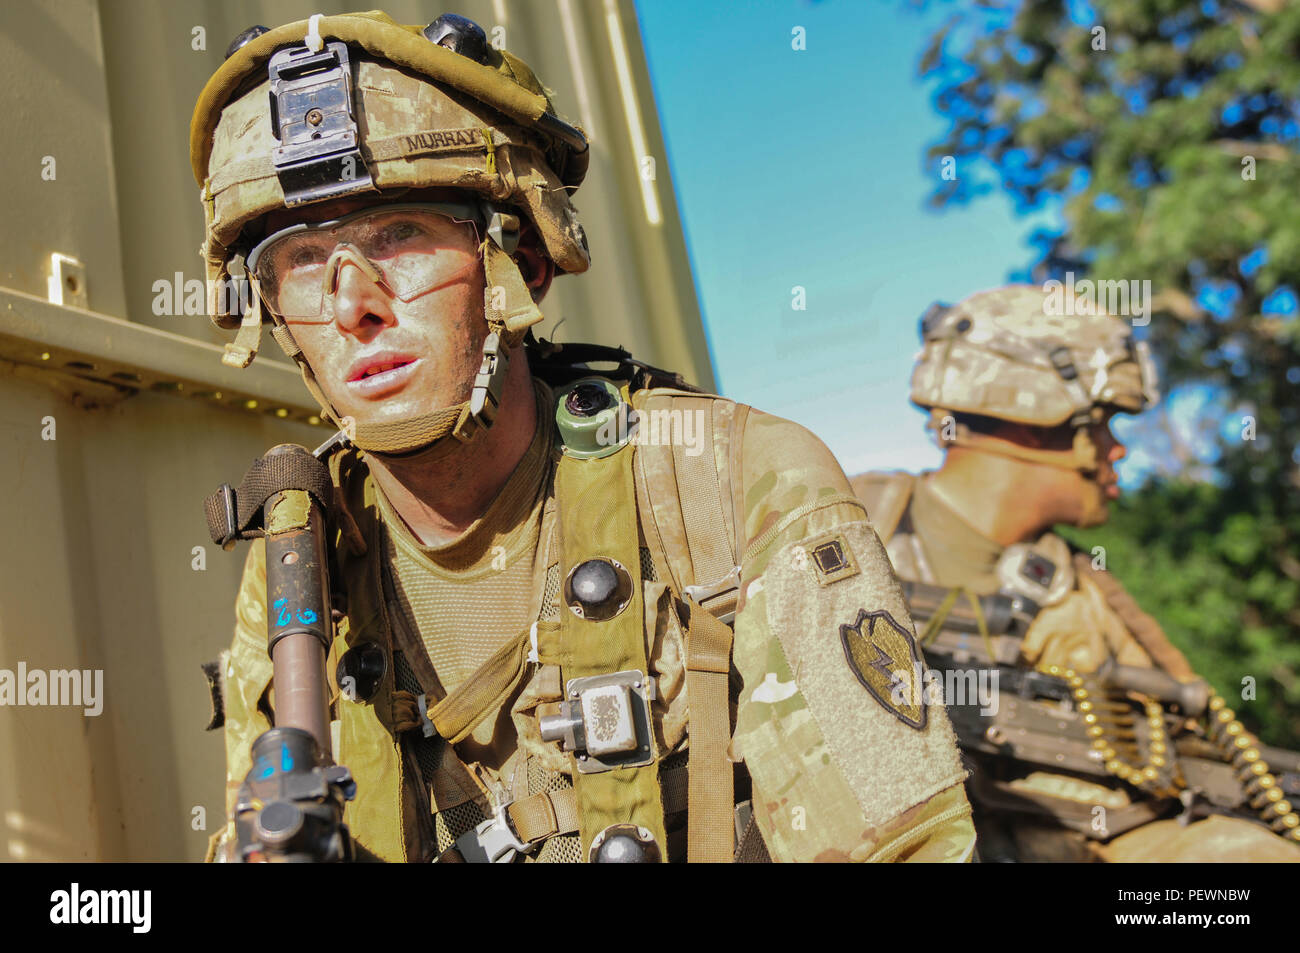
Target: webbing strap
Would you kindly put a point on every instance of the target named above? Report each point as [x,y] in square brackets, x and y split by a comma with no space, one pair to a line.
[751,849]
[596,514]
[237,513]
[284,337]
[710,824]
[240,352]
[935,625]
[551,813]
[457,715]
[545,815]
[402,436]
[697,483]
[508,303]
[886,500]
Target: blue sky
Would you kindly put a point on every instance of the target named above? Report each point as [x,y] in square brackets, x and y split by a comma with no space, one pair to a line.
[806,168]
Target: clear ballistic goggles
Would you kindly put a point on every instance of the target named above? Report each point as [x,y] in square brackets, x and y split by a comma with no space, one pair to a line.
[407,249]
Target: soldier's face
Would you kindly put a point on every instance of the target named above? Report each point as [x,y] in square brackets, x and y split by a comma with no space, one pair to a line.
[1092,493]
[433,342]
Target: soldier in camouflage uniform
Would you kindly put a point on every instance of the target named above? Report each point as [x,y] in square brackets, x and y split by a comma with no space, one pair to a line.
[1021,385]
[524,564]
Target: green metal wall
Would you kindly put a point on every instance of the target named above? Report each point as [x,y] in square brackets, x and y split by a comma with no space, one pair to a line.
[102,524]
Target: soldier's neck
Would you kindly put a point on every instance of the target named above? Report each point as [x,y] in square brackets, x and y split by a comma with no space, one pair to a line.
[440,495]
[994,495]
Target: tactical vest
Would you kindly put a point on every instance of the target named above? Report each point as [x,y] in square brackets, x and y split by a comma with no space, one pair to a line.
[598,696]
[1044,572]
[1054,814]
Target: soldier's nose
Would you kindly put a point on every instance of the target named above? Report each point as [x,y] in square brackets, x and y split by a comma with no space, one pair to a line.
[359,301]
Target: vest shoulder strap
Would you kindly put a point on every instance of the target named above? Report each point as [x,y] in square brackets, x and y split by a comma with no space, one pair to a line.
[886,495]
[687,460]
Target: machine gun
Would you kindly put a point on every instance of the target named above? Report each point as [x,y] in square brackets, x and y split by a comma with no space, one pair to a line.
[1175,742]
[290,806]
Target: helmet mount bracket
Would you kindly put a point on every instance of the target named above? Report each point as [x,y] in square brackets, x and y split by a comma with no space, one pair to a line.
[313,117]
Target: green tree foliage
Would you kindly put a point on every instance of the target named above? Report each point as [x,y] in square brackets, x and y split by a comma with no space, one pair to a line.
[1166,131]
[1204,565]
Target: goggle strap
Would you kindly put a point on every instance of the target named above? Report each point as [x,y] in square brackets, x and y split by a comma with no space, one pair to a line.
[240,352]
[508,303]
[1082,455]
[284,337]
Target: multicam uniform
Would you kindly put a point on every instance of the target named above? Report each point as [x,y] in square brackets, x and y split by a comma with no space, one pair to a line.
[1004,354]
[454,665]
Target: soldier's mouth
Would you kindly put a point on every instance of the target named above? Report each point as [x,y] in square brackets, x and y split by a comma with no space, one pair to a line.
[382,377]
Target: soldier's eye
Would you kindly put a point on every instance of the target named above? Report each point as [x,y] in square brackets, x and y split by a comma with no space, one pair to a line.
[394,236]
[303,255]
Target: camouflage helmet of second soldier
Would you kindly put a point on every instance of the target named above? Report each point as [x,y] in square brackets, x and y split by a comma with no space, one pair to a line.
[1029,356]
[357,105]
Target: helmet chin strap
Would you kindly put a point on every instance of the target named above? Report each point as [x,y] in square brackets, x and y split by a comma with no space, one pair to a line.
[1082,456]
[509,309]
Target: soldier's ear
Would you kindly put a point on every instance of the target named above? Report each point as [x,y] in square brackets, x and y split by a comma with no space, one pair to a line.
[537,269]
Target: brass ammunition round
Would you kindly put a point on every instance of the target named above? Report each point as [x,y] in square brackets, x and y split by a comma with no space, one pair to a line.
[1254,769]
[1276,809]
[1264,782]
[1246,756]
[1261,799]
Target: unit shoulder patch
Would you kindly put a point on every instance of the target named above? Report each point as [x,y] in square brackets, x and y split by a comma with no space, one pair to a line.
[830,557]
[884,657]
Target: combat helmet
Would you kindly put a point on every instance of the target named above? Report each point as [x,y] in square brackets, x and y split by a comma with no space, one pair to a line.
[356,104]
[1034,356]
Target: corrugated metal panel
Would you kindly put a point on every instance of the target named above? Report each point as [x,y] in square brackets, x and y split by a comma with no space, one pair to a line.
[109,566]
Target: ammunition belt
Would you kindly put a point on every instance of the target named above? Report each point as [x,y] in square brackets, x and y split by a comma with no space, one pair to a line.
[1141,758]
[1136,754]
[1241,749]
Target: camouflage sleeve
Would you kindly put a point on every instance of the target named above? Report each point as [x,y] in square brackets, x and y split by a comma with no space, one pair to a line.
[848,760]
[247,676]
